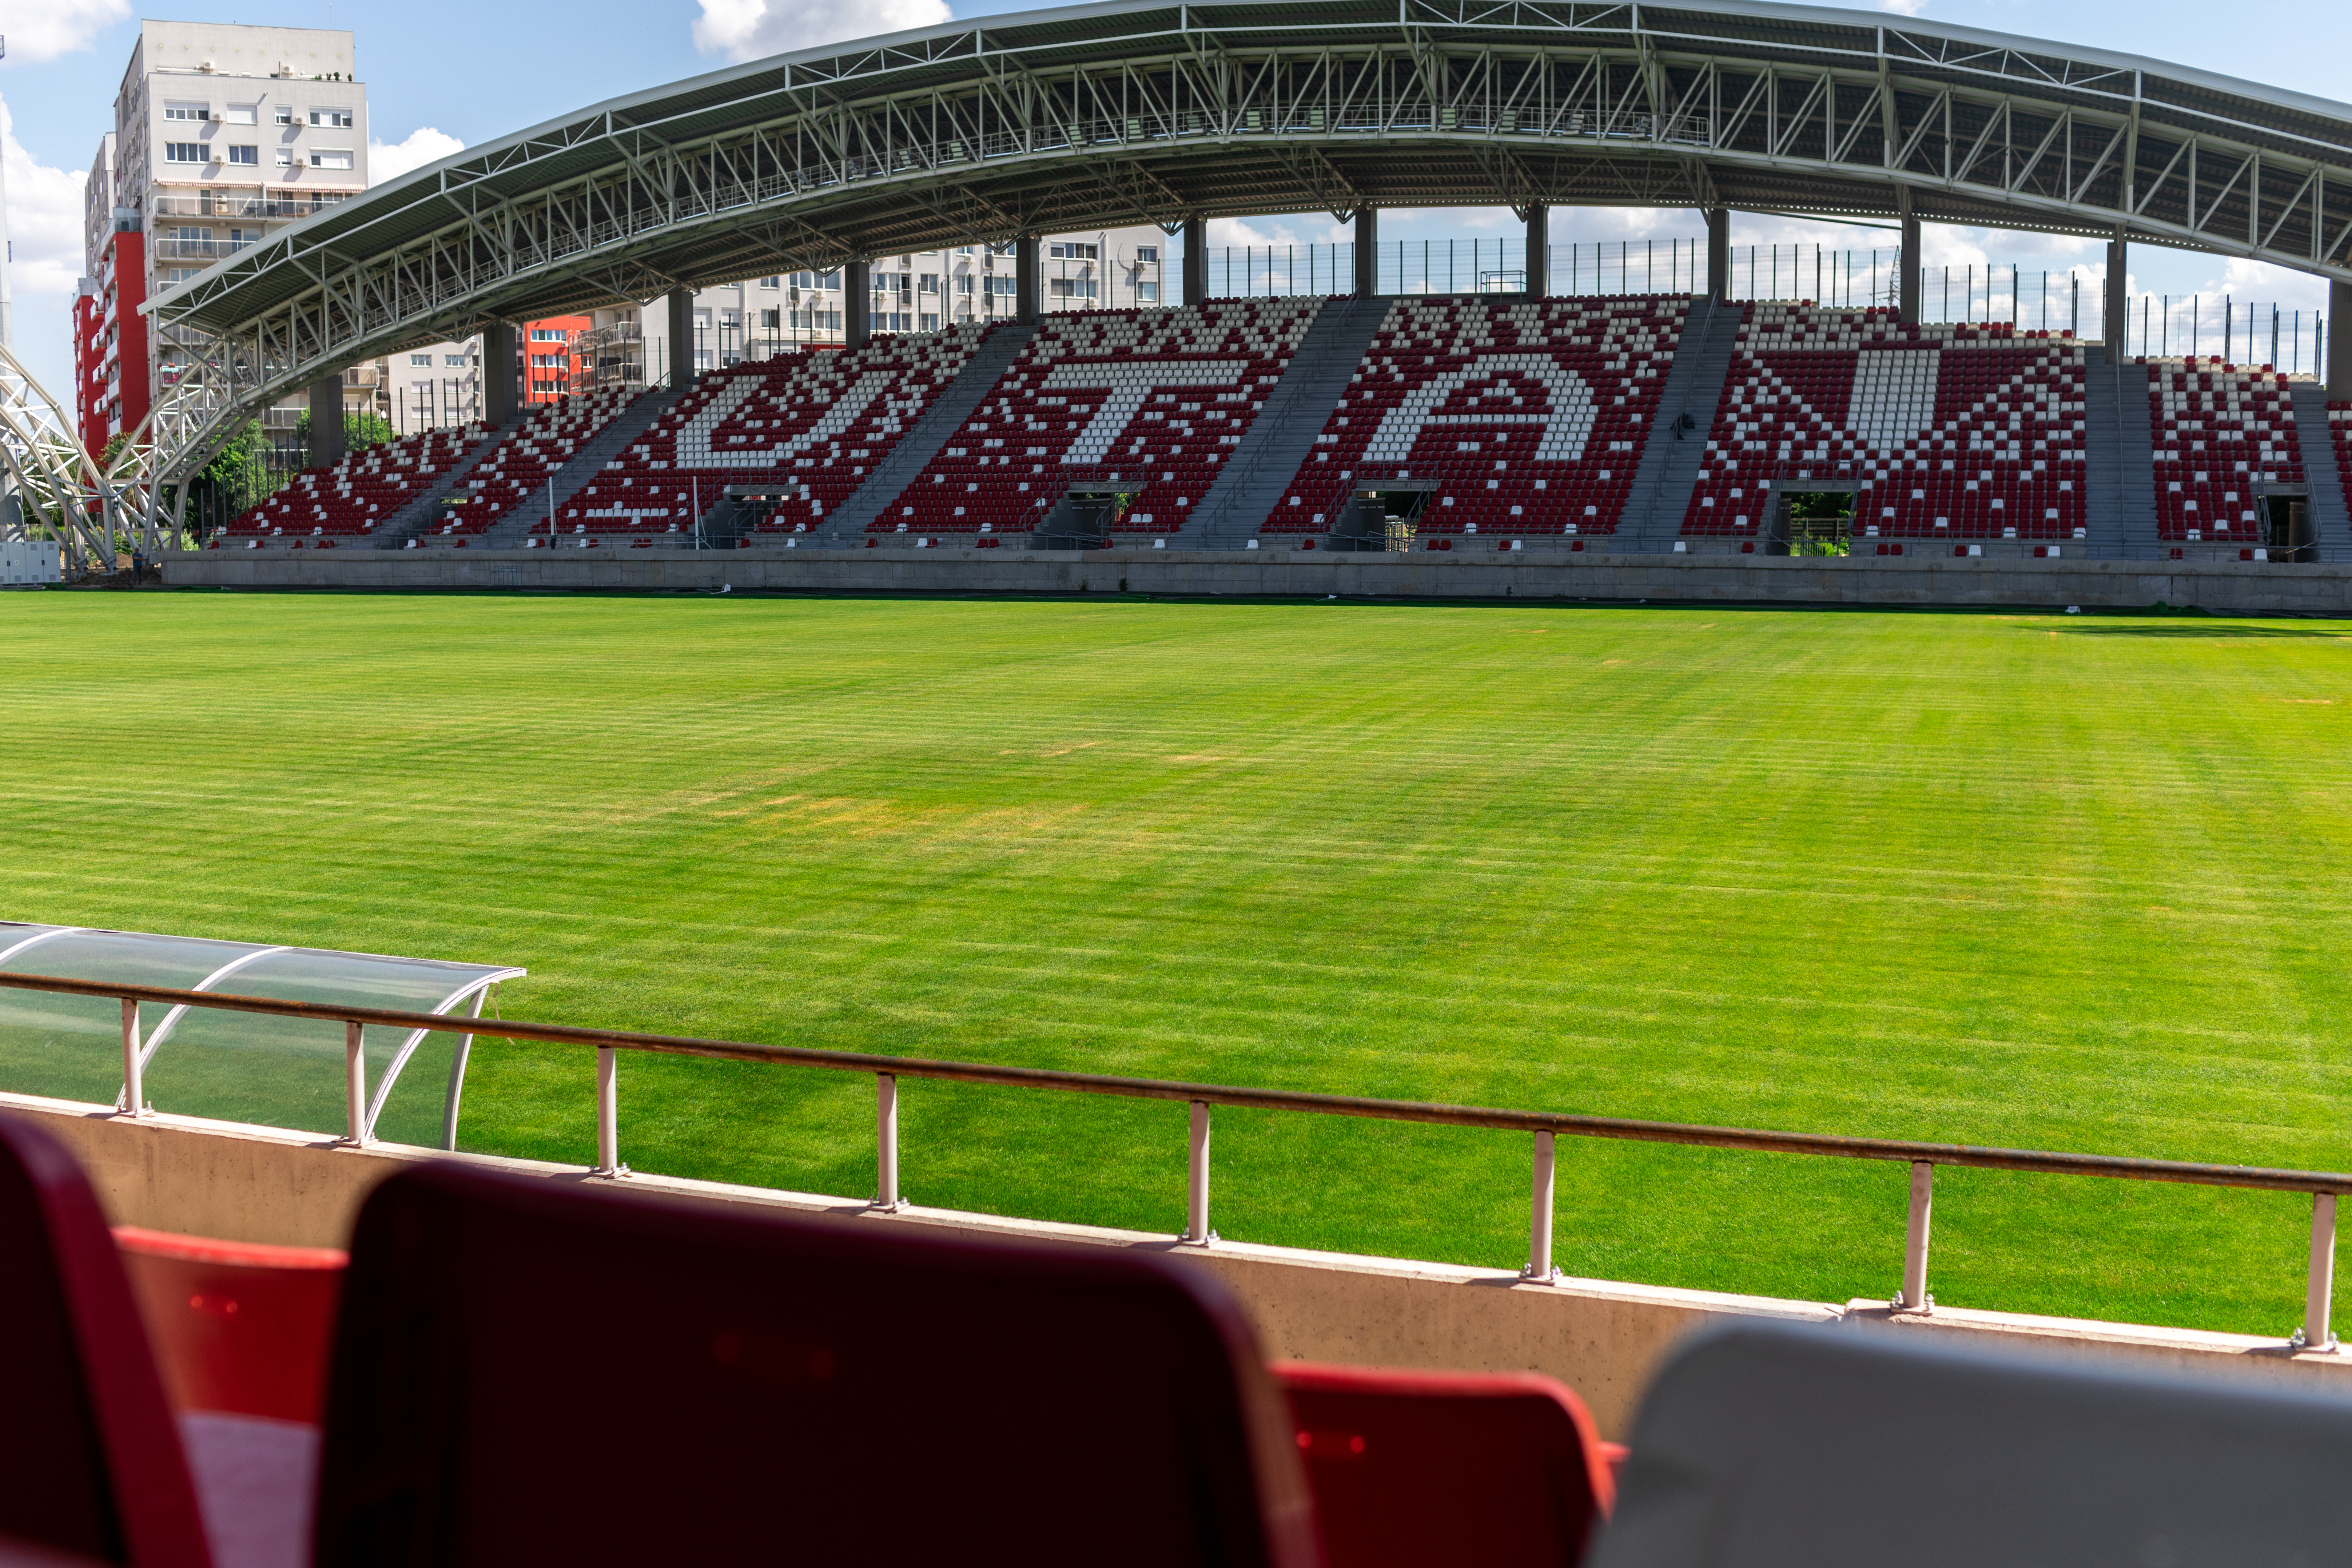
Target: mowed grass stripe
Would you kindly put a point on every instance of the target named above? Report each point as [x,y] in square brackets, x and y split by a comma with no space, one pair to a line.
[2064,882]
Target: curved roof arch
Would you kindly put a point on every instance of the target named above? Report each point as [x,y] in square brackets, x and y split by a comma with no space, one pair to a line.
[1142,111]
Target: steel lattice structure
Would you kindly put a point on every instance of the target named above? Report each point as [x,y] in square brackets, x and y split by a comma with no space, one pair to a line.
[1098,115]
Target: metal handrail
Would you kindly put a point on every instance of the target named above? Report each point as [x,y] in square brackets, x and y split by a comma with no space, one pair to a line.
[2325,1186]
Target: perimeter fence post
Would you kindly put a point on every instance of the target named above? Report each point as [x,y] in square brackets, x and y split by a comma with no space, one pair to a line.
[1914,1297]
[1196,1207]
[2319,1290]
[608,1113]
[886,1143]
[134,1101]
[354,1084]
[1540,1267]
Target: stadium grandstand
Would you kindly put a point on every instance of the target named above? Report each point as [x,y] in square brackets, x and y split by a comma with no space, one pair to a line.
[1690,423]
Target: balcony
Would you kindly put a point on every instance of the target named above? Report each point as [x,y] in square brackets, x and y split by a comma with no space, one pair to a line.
[223,206]
[199,249]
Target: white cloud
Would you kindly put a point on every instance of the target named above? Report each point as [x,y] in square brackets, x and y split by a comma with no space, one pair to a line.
[748,30]
[390,160]
[45,215]
[1903,7]
[60,27]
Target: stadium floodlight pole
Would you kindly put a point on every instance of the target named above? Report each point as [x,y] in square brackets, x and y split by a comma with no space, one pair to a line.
[1914,1297]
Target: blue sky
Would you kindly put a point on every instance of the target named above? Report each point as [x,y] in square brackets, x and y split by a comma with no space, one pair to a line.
[441,74]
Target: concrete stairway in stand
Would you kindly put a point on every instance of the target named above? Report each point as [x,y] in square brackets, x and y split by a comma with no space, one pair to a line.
[916,449]
[2119,449]
[2331,525]
[1283,435]
[412,518]
[510,532]
[1672,456]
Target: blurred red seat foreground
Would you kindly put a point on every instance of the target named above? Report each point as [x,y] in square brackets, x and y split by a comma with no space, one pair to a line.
[90,1459]
[237,1326]
[526,1371]
[1436,1466]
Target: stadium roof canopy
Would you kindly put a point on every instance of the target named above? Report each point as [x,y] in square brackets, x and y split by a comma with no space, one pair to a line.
[1139,112]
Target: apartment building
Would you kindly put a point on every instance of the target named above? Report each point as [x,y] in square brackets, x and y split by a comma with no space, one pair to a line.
[223,134]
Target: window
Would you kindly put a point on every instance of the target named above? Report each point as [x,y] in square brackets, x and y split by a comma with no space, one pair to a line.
[241,237]
[547,334]
[1072,251]
[242,114]
[730,318]
[964,283]
[333,118]
[420,361]
[251,155]
[1005,250]
[550,362]
[187,111]
[930,283]
[1070,287]
[184,152]
[1147,254]
[1006,286]
[285,115]
[330,158]
[771,320]
[454,362]
[1147,294]
[772,283]
[286,157]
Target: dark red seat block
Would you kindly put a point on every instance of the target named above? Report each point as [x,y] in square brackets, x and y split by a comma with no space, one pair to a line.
[90,1459]
[528,1372]
[1413,1467]
[237,1326]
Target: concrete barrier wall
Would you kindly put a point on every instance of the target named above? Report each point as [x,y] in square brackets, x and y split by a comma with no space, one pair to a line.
[2227,587]
[1603,1339]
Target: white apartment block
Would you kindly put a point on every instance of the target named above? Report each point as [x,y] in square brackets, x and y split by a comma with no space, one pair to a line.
[224,135]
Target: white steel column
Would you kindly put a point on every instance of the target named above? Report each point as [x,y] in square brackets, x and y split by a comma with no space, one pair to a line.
[608,1113]
[2319,1288]
[1196,1207]
[134,1098]
[354,1084]
[1914,1239]
[1539,1211]
[886,1143]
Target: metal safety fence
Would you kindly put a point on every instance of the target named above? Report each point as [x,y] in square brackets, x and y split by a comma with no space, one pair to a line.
[1544,1127]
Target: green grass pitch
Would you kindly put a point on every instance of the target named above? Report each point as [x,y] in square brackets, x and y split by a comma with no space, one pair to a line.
[2060,882]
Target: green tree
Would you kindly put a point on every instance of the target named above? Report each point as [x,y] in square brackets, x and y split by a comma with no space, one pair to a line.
[361,430]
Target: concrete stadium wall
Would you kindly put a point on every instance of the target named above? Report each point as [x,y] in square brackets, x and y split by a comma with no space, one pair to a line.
[2230,588]
[1603,1339]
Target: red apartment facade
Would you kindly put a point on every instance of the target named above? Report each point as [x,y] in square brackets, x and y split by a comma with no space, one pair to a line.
[552,363]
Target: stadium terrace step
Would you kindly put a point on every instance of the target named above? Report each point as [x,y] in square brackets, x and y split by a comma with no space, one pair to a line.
[2327,441]
[1144,403]
[1499,415]
[1670,462]
[997,350]
[1947,435]
[1282,438]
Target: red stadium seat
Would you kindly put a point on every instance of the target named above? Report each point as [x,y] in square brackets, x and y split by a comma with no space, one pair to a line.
[529,1372]
[1430,1467]
[2219,431]
[237,1326]
[90,1459]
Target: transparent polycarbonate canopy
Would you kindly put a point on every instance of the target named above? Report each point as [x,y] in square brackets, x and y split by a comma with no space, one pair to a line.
[241,1066]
